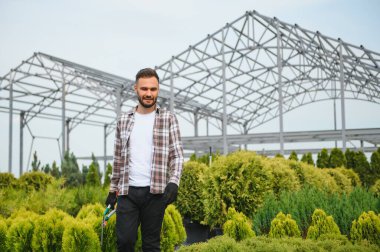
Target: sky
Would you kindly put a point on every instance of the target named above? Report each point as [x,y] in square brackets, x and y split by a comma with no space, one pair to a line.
[123,36]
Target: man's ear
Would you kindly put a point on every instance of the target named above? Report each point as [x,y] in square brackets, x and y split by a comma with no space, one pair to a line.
[135,87]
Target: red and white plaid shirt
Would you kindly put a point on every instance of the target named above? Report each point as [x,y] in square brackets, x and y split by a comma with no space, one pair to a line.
[167,156]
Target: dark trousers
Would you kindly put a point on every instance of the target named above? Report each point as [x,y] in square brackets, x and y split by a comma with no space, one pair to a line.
[139,207]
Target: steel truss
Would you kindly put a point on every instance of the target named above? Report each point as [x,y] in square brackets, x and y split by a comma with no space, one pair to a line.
[247,73]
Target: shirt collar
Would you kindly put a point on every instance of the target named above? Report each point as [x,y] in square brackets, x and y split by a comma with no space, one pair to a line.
[133,111]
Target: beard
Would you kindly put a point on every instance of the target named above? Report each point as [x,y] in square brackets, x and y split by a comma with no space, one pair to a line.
[147,105]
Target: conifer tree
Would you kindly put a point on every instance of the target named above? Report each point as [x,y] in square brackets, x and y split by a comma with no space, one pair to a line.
[293,156]
[375,165]
[70,170]
[35,163]
[323,159]
[307,158]
[55,171]
[350,158]
[362,168]
[107,176]
[337,158]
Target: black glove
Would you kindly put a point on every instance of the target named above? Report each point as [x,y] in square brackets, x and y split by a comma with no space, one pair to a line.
[111,200]
[170,193]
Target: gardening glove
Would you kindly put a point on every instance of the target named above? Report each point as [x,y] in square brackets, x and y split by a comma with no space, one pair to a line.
[111,200]
[170,193]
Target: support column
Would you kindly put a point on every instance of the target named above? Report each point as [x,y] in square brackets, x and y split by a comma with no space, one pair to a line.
[196,130]
[171,86]
[63,119]
[280,98]
[22,116]
[343,109]
[105,151]
[118,102]
[10,121]
[68,134]
[335,128]
[245,133]
[207,126]
[225,144]
[362,145]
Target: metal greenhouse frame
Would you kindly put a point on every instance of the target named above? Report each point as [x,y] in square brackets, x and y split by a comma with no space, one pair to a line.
[247,73]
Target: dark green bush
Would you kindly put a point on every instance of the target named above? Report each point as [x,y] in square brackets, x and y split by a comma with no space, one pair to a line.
[35,180]
[189,201]
[321,224]
[238,180]
[284,226]
[367,227]
[79,236]
[237,226]
[7,180]
[48,231]
[337,158]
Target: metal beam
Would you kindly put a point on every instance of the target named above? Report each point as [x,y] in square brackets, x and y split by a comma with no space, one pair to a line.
[10,122]
[224,123]
[22,114]
[343,109]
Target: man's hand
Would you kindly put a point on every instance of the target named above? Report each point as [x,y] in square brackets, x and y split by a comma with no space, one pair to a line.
[170,193]
[111,200]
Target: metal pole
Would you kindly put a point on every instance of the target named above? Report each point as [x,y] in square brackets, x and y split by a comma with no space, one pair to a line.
[118,102]
[10,122]
[171,87]
[343,110]
[68,134]
[225,145]
[63,116]
[280,98]
[22,115]
[196,130]
[245,133]
[336,142]
[207,125]
[105,150]
[210,157]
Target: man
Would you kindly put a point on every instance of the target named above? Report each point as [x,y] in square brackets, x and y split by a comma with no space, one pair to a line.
[147,167]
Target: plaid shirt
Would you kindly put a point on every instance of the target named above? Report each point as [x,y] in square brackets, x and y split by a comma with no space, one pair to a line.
[167,156]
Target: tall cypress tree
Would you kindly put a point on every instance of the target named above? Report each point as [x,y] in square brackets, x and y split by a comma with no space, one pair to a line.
[307,158]
[362,167]
[375,165]
[293,156]
[323,158]
[337,158]
[350,158]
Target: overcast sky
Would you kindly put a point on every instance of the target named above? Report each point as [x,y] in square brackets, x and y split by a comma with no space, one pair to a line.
[123,36]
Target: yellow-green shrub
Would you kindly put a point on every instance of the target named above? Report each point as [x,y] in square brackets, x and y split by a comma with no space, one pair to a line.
[48,231]
[311,176]
[341,180]
[237,226]
[35,180]
[79,236]
[3,235]
[168,234]
[189,201]
[91,210]
[367,227]
[284,226]
[283,177]
[221,243]
[20,233]
[178,224]
[322,224]
[375,189]
[238,180]
[351,175]
[7,180]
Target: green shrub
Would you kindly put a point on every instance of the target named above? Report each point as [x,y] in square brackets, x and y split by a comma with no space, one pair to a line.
[238,180]
[237,226]
[178,224]
[284,226]
[20,233]
[375,189]
[367,227]
[7,180]
[3,235]
[189,201]
[48,231]
[337,158]
[35,180]
[266,244]
[168,234]
[293,156]
[323,159]
[307,158]
[79,236]
[322,224]
[107,176]
[218,244]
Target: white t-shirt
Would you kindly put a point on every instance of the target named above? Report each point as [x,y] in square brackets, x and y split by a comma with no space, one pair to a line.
[141,149]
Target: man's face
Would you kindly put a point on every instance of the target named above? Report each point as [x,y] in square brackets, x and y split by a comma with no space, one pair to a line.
[147,91]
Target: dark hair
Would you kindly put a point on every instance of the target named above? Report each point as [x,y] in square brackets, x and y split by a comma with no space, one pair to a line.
[146,73]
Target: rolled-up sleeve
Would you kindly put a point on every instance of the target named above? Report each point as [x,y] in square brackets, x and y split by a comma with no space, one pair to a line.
[175,150]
